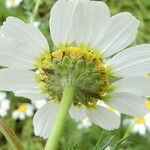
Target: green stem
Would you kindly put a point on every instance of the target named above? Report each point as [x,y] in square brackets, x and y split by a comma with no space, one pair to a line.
[9,134]
[64,107]
[35,10]
[126,134]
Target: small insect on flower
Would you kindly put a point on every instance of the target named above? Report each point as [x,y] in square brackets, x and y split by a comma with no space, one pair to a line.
[12,3]
[24,110]
[91,55]
[4,104]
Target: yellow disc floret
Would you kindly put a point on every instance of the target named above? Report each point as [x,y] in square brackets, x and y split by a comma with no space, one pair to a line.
[22,108]
[148,104]
[139,120]
[44,61]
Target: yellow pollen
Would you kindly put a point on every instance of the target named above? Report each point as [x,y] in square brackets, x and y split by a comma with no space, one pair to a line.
[44,60]
[99,65]
[89,56]
[139,120]
[22,108]
[41,74]
[104,78]
[147,104]
[58,54]
[74,52]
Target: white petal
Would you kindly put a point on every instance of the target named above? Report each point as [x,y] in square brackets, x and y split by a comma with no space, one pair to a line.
[3,112]
[139,128]
[103,104]
[39,103]
[138,85]
[85,123]
[132,61]
[13,80]
[21,116]
[44,119]
[61,19]
[31,93]
[147,120]
[5,104]
[77,113]
[127,103]
[29,112]
[120,33]
[104,118]
[20,44]
[10,3]
[2,95]
[90,21]
[15,115]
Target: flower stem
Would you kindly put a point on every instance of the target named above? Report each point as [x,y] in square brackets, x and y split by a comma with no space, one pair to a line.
[10,136]
[126,134]
[64,107]
[35,10]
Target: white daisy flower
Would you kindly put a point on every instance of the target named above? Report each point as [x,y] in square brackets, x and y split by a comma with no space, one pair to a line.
[91,55]
[24,110]
[4,104]
[13,3]
[85,123]
[140,124]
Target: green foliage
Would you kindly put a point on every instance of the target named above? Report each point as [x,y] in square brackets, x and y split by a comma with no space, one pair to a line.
[104,141]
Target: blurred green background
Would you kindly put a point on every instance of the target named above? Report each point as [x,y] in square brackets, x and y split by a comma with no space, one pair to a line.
[73,138]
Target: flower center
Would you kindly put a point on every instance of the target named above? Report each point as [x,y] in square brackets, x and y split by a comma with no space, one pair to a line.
[79,66]
[139,120]
[148,104]
[22,108]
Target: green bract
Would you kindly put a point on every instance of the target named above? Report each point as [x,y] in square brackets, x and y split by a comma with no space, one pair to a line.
[81,67]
